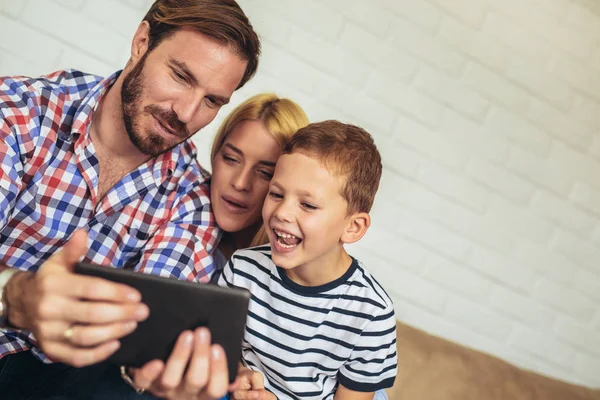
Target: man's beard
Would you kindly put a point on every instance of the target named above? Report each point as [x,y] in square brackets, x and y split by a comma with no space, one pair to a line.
[149,143]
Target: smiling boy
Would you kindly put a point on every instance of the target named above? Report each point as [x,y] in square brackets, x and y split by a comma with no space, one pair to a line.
[319,325]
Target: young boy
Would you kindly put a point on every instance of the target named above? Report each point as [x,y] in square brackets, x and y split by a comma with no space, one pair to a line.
[319,325]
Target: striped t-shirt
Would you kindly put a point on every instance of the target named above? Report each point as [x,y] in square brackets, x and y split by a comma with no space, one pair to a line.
[306,340]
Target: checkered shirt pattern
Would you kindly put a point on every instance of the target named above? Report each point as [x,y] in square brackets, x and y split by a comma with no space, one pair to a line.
[156,220]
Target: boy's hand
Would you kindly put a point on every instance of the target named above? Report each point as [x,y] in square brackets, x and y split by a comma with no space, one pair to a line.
[250,385]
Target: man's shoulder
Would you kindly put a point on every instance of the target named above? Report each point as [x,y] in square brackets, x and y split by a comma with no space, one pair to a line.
[71,83]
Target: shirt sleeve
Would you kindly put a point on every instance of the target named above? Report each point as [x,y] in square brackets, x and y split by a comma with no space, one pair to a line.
[182,247]
[373,363]
[227,275]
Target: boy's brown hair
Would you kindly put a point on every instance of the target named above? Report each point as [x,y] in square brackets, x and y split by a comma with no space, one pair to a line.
[221,20]
[345,150]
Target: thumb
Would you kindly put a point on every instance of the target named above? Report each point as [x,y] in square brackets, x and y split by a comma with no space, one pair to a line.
[257,381]
[71,253]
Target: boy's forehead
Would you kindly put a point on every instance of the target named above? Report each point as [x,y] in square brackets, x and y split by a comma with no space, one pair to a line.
[307,171]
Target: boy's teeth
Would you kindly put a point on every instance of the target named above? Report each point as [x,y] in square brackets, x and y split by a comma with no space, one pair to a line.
[284,235]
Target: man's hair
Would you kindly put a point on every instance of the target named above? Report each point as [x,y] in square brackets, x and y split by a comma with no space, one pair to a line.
[221,20]
[347,151]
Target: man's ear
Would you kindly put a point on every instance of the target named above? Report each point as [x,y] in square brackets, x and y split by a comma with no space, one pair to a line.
[141,39]
[358,224]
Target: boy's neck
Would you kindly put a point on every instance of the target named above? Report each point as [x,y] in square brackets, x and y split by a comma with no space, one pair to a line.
[322,270]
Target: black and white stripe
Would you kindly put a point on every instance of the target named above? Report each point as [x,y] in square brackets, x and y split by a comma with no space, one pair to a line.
[306,340]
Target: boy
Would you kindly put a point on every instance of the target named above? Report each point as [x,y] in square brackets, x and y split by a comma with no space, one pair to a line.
[318,325]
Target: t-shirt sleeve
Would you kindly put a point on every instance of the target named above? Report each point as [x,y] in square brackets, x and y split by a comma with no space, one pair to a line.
[373,363]
[226,276]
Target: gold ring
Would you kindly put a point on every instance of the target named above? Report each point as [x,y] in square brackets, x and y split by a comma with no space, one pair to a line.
[68,333]
[125,376]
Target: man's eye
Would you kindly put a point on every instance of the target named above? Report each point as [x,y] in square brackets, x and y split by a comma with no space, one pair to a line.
[179,76]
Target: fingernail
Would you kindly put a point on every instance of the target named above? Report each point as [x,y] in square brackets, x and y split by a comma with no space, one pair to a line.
[114,345]
[188,338]
[216,352]
[142,312]
[203,336]
[130,326]
[134,296]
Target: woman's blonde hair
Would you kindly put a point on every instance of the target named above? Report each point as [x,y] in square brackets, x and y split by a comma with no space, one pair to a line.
[282,118]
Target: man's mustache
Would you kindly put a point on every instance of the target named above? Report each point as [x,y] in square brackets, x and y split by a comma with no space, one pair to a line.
[169,119]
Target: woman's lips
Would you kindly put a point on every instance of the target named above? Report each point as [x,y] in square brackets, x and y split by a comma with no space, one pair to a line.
[234,205]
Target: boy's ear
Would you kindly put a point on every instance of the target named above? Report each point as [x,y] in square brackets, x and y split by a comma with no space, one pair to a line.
[358,224]
[140,42]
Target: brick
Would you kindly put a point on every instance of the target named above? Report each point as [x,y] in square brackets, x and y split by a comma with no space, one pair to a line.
[560,211]
[564,299]
[115,15]
[430,143]
[467,10]
[476,317]
[539,171]
[456,278]
[589,366]
[541,83]
[502,269]
[398,158]
[97,41]
[586,111]
[497,88]
[451,93]
[519,131]
[473,139]
[525,43]
[421,13]
[310,14]
[453,185]
[432,235]
[561,126]
[378,243]
[11,65]
[360,105]
[405,99]
[367,46]
[575,163]
[12,9]
[580,18]
[556,8]
[500,180]
[543,346]
[521,308]
[583,78]
[281,65]
[586,196]
[145,4]
[518,220]
[411,287]
[414,197]
[381,216]
[328,58]
[371,16]
[578,335]
[31,45]
[576,249]
[594,149]
[72,58]
[474,43]
[548,28]
[549,263]
[427,49]
[269,26]
[588,284]
[489,235]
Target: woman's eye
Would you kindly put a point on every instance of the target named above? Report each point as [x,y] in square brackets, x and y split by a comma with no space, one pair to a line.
[229,160]
[266,175]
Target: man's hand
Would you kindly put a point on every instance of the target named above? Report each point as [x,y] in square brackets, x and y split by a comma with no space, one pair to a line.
[195,370]
[75,319]
[251,386]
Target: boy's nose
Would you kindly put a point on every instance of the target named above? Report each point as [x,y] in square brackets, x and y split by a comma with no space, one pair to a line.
[283,213]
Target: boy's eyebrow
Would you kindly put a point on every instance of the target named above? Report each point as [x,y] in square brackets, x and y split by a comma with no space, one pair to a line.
[241,153]
[184,70]
[300,192]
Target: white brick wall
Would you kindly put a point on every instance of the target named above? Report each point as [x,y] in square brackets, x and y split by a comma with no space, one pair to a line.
[486,229]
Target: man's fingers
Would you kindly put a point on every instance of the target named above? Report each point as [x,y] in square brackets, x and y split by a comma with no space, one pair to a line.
[219,376]
[88,288]
[96,313]
[144,377]
[198,368]
[93,335]
[177,361]
[79,357]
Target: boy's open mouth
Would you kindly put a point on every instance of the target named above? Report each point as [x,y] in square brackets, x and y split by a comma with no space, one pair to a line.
[286,240]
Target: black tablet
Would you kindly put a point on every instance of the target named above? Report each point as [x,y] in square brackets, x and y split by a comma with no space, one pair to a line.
[174,307]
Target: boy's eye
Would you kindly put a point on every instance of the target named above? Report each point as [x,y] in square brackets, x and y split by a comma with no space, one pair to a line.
[309,206]
[275,195]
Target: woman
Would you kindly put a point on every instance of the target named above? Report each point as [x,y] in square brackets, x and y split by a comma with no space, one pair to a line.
[244,152]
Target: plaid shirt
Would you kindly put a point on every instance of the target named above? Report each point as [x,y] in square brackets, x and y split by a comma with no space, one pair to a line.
[156,220]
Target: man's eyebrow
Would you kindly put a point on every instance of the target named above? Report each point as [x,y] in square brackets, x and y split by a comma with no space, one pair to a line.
[241,153]
[183,69]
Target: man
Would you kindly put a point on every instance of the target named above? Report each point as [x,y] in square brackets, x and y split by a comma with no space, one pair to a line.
[111,158]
